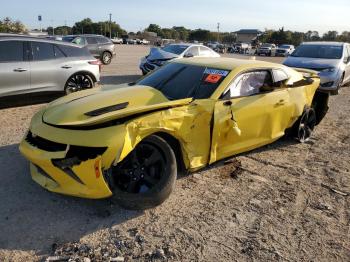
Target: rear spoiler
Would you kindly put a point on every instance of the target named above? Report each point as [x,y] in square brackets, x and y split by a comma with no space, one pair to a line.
[307,73]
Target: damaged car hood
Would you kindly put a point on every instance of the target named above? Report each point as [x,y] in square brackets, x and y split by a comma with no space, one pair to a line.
[97,106]
[159,54]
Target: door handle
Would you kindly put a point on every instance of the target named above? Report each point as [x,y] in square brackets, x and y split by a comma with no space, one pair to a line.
[280,103]
[66,67]
[19,70]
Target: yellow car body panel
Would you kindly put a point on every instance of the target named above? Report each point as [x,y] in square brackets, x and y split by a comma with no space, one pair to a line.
[207,129]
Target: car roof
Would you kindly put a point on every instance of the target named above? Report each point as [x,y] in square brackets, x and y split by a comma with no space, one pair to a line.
[186,44]
[226,63]
[36,39]
[324,43]
[83,35]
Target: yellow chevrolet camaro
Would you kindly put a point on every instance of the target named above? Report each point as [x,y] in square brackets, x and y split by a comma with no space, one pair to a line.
[131,140]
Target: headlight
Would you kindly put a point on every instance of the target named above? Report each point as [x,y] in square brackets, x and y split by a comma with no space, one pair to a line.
[329,70]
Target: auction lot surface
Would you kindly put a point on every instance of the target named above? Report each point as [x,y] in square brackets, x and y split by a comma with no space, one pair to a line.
[285,202]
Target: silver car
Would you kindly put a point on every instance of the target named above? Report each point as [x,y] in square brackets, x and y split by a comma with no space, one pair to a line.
[30,65]
[158,56]
[330,59]
[285,50]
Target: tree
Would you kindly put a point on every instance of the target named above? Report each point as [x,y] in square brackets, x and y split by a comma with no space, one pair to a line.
[9,26]
[154,28]
[200,35]
[87,26]
[344,37]
[330,36]
[183,33]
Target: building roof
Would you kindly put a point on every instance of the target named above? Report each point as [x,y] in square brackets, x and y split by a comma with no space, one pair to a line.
[249,31]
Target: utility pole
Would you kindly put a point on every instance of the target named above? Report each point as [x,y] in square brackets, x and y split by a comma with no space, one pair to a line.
[218,32]
[110,26]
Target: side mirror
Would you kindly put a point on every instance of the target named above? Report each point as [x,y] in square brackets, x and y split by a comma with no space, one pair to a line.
[347,60]
[188,55]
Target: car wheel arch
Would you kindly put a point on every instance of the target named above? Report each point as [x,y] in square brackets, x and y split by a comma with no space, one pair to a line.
[174,143]
[106,51]
[84,72]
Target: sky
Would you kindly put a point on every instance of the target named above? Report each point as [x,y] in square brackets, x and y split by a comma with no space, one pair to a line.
[135,15]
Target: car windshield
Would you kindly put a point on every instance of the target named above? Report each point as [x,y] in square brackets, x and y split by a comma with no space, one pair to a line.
[178,81]
[266,45]
[284,46]
[319,51]
[175,49]
[68,38]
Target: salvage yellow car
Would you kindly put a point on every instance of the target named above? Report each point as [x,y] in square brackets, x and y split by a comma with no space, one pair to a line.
[130,141]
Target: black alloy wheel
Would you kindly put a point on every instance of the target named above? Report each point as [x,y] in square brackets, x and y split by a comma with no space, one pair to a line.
[306,125]
[146,177]
[78,82]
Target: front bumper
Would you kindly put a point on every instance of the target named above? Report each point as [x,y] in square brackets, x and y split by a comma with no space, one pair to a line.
[146,66]
[81,175]
[329,81]
[264,51]
[281,53]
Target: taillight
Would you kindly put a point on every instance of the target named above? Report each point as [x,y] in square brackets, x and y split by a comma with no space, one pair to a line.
[96,62]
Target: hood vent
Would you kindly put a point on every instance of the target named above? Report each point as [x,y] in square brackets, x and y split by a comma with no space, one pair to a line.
[107,109]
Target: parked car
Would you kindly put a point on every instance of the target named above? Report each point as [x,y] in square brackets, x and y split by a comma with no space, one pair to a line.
[130,142]
[142,42]
[221,49]
[285,50]
[99,46]
[158,56]
[267,50]
[241,48]
[31,65]
[117,40]
[330,59]
[54,37]
[131,41]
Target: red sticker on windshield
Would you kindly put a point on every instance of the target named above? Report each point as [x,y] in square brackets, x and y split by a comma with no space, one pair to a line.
[212,78]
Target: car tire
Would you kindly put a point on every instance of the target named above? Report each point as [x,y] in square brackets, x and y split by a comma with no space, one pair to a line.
[106,58]
[138,184]
[78,82]
[305,125]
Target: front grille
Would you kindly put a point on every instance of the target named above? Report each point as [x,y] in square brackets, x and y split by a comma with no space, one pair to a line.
[281,51]
[44,144]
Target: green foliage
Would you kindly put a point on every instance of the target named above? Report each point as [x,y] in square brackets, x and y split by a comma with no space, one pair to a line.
[296,38]
[87,26]
[9,26]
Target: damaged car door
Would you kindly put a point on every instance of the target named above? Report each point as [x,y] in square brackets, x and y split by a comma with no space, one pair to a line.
[254,110]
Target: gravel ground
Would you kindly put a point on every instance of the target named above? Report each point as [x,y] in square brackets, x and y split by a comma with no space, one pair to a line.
[284,202]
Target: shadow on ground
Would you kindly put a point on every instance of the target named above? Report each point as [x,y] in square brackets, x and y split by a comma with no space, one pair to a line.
[32,218]
[28,99]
